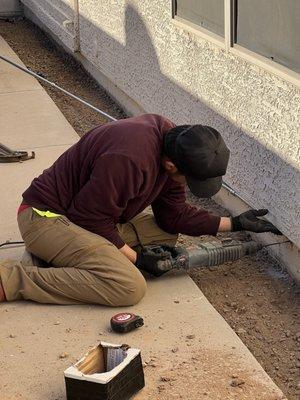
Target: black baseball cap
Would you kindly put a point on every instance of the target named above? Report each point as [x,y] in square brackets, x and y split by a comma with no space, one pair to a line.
[200,154]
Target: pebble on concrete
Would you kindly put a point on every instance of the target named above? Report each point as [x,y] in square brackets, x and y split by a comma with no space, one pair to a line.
[63,355]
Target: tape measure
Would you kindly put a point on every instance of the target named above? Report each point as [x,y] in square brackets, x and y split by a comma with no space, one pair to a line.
[125,322]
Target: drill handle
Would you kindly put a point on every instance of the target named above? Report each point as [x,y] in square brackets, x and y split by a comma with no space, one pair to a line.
[178,259]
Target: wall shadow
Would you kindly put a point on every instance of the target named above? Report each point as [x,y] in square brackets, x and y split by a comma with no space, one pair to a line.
[169,99]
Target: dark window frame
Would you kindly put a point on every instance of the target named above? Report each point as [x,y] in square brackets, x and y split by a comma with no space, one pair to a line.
[174,8]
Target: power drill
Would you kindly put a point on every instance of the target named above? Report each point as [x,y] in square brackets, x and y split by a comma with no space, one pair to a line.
[204,255]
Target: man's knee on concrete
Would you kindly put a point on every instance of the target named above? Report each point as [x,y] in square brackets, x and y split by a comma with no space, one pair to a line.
[128,291]
[132,290]
[117,281]
[123,286]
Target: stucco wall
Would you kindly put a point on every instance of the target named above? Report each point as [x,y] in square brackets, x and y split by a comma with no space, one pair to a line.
[54,13]
[167,70]
[10,8]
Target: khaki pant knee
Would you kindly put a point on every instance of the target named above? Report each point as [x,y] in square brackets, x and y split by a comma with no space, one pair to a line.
[137,291]
[130,293]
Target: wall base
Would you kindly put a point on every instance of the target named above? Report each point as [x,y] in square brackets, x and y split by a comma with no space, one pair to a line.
[286,254]
[10,8]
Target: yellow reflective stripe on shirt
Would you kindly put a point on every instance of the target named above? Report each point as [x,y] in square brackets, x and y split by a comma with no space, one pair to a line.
[47,214]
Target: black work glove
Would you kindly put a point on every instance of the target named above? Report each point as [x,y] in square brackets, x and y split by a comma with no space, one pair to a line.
[248,221]
[147,260]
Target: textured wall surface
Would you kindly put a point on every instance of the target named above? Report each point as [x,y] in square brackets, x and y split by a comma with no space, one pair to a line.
[170,71]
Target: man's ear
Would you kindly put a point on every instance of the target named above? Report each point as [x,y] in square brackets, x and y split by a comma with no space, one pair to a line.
[169,166]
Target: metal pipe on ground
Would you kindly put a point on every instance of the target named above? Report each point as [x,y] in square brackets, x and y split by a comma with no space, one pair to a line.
[41,78]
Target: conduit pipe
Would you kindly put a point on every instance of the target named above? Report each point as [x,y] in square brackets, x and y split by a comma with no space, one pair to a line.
[76,26]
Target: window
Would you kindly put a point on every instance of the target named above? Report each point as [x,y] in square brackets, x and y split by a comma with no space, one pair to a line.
[270,28]
[208,14]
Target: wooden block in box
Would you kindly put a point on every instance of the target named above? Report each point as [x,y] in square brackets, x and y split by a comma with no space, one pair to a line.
[107,372]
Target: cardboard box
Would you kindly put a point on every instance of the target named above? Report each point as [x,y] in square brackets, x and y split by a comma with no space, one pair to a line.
[107,372]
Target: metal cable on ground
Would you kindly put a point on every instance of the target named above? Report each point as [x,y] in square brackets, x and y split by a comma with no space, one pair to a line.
[10,243]
[41,78]
[273,244]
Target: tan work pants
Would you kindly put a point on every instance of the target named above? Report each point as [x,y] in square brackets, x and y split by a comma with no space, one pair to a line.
[85,267]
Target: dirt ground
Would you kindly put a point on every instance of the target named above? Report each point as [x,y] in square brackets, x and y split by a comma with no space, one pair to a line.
[255,296]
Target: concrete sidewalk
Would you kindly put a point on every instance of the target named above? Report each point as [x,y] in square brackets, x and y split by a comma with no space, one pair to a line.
[189,351]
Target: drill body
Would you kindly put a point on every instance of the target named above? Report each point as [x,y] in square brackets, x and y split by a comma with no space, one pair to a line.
[207,255]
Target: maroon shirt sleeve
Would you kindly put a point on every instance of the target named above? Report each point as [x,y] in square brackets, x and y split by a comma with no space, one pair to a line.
[174,215]
[115,180]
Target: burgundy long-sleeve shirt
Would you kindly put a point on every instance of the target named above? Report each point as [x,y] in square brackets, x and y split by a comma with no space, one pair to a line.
[112,174]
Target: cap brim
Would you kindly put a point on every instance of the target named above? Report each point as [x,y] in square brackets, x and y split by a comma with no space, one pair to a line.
[206,188]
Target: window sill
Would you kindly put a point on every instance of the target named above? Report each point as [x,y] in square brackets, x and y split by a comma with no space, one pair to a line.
[239,51]
[198,31]
[267,64]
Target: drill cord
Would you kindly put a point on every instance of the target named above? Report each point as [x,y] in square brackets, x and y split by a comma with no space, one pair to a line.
[273,244]
[265,245]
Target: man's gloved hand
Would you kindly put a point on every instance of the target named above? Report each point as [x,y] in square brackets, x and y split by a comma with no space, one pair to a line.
[248,221]
[147,260]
